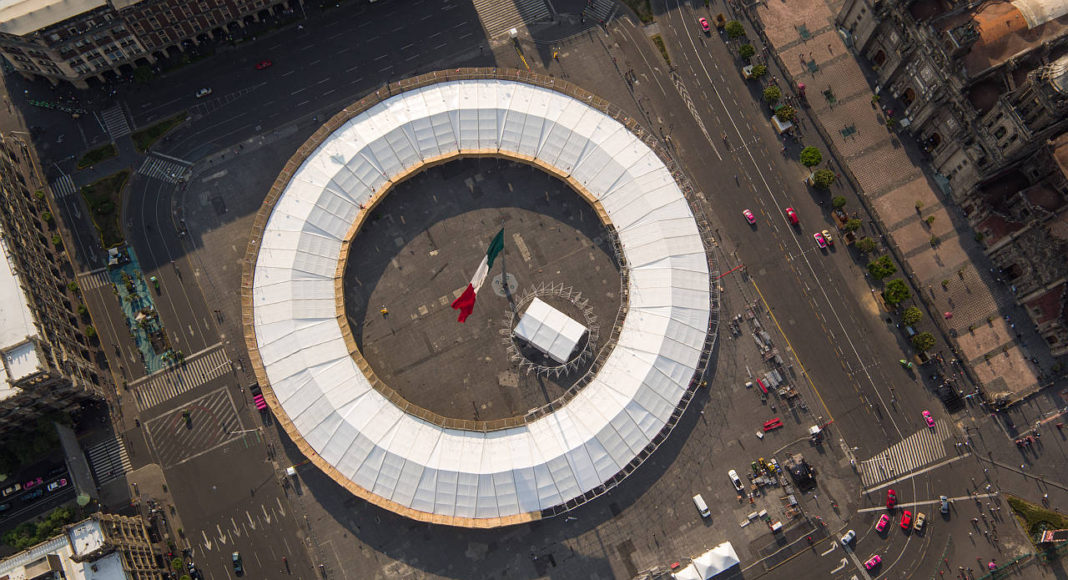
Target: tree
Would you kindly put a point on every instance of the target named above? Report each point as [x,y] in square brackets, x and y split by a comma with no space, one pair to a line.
[823,178]
[746,51]
[758,71]
[785,113]
[90,331]
[923,341]
[772,94]
[735,29]
[882,267]
[838,202]
[911,316]
[811,156]
[866,245]
[896,292]
[177,564]
[852,225]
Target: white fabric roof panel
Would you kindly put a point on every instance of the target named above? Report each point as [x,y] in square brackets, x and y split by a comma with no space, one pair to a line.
[449,472]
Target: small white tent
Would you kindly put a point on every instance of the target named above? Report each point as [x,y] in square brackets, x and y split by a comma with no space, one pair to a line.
[710,564]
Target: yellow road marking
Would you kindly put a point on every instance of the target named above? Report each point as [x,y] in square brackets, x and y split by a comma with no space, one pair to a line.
[797,357]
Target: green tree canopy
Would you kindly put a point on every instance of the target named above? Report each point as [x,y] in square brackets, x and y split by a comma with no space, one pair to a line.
[823,178]
[772,94]
[852,225]
[896,292]
[735,29]
[911,316]
[923,341]
[866,245]
[758,71]
[882,267]
[811,156]
[746,51]
[786,113]
[838,202]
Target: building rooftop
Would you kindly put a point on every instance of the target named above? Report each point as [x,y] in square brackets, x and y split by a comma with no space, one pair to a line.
[1010,29]
[17,353]
[22,17]
[55,555]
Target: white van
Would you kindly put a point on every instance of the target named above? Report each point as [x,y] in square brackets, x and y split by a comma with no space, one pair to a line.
[701,506]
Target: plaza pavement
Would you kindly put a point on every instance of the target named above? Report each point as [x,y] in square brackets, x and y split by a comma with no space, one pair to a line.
[943,261]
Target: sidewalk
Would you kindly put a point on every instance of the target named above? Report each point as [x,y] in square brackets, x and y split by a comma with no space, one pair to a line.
[945,265]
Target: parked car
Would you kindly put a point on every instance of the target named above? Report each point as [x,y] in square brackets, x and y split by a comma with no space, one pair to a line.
[32,496]
[848,538]
[201,93]
[4,507]
[11,489]
[238,568]
[821,241]
[906,519]
[33,483]
[735,480]
[921,519]
[944,508]
[791,215]
[704,25]
[891,499]
[881,524]
[57,484]
[872,562]
[827,236]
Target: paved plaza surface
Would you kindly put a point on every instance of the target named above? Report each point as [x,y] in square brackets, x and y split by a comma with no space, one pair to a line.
[420,249]
[223,470]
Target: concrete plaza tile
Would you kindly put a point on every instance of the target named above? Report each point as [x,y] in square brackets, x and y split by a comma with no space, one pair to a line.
[932,265]
[900,203]
[880,170]
[1010,370]
[911,236]
[784,22]
[855,119]
[845,78]
[968,300]
[985,338]
[942,226]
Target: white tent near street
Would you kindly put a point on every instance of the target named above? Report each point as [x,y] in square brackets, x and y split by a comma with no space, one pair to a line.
[710,564]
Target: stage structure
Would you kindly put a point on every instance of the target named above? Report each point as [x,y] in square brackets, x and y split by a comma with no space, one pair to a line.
[450,471]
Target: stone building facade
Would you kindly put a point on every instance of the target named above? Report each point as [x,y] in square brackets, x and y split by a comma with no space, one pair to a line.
[983,89]
[80,40]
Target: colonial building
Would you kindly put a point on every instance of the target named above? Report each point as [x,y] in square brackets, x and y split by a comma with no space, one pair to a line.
[102,547]
[983,88]
[45,356]
[78,40]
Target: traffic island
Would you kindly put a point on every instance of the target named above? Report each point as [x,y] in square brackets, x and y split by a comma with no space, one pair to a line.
[147,137]
[104,198]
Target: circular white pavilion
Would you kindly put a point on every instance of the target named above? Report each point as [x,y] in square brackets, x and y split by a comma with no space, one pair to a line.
[404,459]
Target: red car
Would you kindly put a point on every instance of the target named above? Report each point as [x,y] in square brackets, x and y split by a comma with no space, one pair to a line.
[791,215]
[263,64]
[749,217]
[906,519]
[891,499]
[872,562]
[881,524]
[821,242]
[704,25]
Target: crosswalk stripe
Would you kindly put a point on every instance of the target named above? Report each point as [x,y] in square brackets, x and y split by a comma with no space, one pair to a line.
[92,280]
[912,452]
[109,460]
[115,121]
[63,187]
[170,383]
[163,169]
[498,16]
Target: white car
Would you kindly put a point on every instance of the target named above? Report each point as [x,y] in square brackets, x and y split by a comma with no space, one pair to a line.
[735,480]
[848,538]
[944,507]
[203,92]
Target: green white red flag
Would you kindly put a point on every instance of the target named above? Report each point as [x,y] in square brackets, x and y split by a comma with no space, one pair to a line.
[466,302]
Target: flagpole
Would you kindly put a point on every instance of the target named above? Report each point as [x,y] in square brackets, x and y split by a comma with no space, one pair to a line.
[504,278]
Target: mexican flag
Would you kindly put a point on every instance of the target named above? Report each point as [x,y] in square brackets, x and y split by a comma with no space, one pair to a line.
[466,302]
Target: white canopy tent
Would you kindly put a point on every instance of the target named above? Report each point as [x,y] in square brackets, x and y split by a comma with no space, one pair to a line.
[710,564]
[549,330]
[452,473]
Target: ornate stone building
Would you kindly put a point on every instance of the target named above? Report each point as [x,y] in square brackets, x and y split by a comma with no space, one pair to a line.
[983,88]
[45,357]
[77,40]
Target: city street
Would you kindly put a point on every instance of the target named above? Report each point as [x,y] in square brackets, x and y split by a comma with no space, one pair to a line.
[189,208]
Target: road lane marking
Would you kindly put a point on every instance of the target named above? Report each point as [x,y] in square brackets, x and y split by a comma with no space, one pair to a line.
[297,91]
[288,73]
[378,58]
